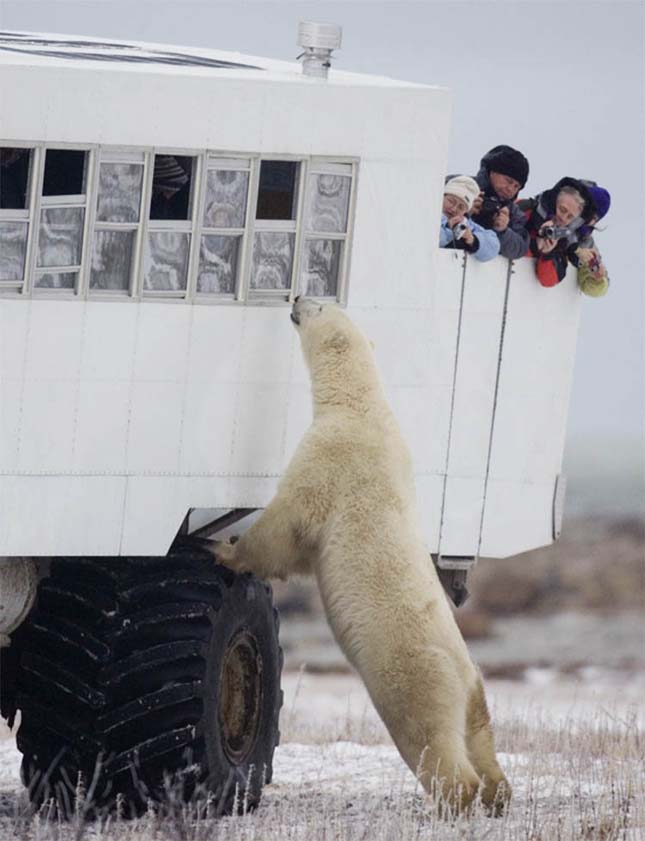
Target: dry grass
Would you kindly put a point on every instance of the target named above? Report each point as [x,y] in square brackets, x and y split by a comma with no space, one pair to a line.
[577,778]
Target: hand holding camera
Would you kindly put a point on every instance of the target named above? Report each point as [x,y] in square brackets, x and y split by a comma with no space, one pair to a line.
[546,238]
[489,207]
[460,230]
[501,220]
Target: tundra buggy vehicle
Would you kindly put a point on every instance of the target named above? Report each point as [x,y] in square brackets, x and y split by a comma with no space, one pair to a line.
[160,209]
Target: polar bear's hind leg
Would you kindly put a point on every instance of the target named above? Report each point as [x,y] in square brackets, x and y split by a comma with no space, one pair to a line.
[496,790]
[433,742]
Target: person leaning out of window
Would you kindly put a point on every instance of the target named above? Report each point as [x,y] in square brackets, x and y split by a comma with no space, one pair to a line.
[503,172]
[556,220]
[457,230]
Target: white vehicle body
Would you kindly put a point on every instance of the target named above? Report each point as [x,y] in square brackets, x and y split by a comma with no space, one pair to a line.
[122,410]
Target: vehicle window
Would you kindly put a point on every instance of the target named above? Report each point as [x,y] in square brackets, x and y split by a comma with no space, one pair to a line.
[62,219]
[15,165]
[171,187]
[118,204]
[64,173]
[275,227]
[223,225]
[277,193]
[326,229]
[15,174]
[170,226]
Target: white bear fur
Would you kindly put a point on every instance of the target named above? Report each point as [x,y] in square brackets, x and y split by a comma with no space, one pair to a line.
[345,511]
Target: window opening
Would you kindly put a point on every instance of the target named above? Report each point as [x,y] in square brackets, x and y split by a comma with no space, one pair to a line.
[171,187]
[64,172]
[15,165]
[278,190]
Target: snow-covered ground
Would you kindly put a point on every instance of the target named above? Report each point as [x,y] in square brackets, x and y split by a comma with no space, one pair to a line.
[572,749]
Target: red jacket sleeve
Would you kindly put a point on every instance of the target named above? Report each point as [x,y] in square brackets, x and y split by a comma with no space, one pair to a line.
[547,272]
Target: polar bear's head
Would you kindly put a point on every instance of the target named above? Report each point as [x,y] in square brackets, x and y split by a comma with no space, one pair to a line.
[338,355]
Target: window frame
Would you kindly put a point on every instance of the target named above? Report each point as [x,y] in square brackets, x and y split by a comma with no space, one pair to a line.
[204,161]
[115,155]
[319,165]
[267,296]
[10,288]
[46,202]
[226,162]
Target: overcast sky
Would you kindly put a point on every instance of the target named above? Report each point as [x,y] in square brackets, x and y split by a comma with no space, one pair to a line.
[563,82]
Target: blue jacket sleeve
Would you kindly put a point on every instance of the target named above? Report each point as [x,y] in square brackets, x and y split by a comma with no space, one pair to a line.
[445,234]
[488,242]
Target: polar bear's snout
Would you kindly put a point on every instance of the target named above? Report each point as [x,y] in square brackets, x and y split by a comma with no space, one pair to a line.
[304,307]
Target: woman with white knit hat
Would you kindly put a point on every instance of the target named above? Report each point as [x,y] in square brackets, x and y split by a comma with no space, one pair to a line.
[457,230]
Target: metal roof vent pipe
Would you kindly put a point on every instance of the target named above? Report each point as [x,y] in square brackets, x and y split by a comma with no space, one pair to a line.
[318,40]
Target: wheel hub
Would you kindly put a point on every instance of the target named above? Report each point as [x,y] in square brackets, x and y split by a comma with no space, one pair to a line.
[240,696]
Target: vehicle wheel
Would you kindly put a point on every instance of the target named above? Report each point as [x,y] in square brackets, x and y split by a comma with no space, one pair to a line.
[143,673]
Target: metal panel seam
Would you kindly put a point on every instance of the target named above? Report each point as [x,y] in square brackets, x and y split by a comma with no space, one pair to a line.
[77,380]
[184,396]
[452,398]
[23,383]
[494,412]
[129,424]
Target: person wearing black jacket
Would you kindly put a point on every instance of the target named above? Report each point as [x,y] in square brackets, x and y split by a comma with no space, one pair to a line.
[503,173]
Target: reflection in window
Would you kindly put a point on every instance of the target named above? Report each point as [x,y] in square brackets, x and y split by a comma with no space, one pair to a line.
[272,261]
[13,247]
[14,178]
[119,194]
[64,172]
[225,204]
[328,203]
[60,237]
[166,262]
[112,260]
[278,190]
[218,260]
[171,187]
[56,280]
[319,276]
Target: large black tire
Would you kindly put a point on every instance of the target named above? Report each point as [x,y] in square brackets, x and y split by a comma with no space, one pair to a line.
[148,677]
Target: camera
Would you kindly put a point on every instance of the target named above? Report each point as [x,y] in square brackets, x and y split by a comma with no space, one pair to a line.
[490,206]
[553,232]
[458,230]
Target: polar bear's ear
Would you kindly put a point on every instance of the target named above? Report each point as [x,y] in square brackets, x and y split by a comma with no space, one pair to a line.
[372,345]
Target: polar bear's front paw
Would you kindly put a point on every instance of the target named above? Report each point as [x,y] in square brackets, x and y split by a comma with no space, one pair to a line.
[225,554]
[224,551]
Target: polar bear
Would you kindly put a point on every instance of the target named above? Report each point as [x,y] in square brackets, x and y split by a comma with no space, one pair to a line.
[345,511]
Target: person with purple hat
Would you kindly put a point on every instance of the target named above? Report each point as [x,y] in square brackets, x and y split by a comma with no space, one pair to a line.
[559,222]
